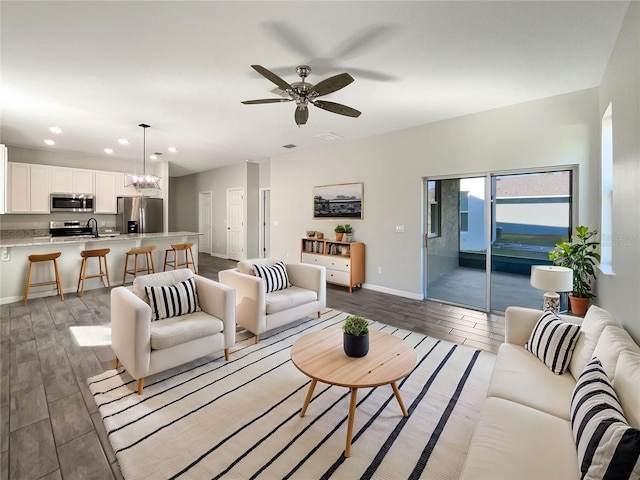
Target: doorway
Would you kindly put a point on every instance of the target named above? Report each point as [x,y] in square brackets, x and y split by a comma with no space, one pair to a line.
[205,222]
[483,233]
[235,223]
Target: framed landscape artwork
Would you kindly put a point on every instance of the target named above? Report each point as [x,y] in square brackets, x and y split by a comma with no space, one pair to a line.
[338,201]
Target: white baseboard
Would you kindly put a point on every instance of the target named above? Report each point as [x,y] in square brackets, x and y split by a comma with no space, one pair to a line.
[393,291]
[219,255]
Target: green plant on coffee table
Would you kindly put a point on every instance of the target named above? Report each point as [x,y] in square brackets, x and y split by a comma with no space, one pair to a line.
[580,256]
[348,229]
[340,229]
[355,325]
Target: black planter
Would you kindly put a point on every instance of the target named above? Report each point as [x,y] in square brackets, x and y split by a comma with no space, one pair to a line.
[356,345]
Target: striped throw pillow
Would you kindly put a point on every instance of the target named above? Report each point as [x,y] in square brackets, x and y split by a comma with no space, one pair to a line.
[552,341]
[173,300]
[275,276]
[608,448]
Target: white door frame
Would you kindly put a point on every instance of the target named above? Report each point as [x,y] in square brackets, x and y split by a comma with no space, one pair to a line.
[205,245]
[265,222]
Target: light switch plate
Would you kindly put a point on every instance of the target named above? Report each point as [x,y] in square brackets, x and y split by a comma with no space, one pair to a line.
[399,228]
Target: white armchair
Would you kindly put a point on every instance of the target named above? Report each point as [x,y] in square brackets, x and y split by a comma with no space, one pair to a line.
[259,311]
[145,347]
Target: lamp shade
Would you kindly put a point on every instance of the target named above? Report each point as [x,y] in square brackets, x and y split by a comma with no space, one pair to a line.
[552,278]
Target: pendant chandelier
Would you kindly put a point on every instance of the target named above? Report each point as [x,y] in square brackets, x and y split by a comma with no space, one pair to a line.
[143,181]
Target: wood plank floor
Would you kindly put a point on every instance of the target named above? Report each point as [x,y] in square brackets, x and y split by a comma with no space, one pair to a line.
[50,427]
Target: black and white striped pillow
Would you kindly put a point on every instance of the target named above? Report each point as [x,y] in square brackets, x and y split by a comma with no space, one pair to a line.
[275,276]
[608,448]
[173,300]
[552,341]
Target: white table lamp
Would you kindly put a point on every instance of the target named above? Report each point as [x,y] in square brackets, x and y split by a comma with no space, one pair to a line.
[552,279]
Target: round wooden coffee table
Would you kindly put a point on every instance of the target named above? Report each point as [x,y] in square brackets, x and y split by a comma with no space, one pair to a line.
[320,356]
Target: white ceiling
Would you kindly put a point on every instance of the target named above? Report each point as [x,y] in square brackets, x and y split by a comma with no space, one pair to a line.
[98,69]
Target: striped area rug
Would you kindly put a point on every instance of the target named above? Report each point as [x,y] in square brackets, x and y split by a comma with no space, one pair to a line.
[240,419]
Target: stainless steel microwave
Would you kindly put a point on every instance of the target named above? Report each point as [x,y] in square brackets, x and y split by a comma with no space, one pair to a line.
[71,202]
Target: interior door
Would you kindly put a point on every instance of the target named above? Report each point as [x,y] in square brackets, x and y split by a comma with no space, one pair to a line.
[204,222]
[235,223]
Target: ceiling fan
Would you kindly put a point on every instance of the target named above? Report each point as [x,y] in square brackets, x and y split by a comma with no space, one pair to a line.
[304,93]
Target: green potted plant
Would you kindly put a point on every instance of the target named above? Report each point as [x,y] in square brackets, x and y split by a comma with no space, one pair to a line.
[355,336]
[580,255]
[340,231]
[348,230]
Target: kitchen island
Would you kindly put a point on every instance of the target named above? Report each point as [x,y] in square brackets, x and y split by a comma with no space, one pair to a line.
[15,263]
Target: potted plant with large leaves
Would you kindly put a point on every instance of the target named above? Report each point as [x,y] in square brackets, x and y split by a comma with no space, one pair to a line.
[355,336]
[580,255]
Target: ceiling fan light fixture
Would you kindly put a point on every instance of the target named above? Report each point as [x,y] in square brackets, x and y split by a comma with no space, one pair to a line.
[143,181]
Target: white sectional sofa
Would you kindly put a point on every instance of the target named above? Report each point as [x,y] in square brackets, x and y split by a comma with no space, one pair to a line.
[525,431]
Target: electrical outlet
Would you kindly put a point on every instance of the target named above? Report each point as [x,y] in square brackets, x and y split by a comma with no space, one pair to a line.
[380,270]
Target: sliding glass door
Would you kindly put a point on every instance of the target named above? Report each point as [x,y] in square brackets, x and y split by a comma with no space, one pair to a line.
[483,234]
[455,241]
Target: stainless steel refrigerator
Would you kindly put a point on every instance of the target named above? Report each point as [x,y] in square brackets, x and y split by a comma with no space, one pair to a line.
[139,215]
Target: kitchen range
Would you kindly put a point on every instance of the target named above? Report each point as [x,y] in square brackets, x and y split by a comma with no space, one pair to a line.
[73,229]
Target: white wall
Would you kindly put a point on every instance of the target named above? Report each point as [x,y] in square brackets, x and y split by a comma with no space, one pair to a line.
[619,293]
[218,181]
[562,130]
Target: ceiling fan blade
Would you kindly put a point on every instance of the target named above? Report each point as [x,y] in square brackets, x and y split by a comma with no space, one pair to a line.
[337,108]
[301,115]
[272,77]
[266,100]
[331,84]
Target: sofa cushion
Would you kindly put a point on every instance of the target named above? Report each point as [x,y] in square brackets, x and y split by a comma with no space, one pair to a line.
[520,377]
[173,300]
[627,386]
[157,279]
[608,448]
[513,441]
[552,341]
[281,300]
[593,324]
[177,330]
[613,341]
[275,277]
[246,266]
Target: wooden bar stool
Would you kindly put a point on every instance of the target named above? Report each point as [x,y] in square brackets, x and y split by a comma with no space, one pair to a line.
[100,254]
[45,257]
[176,249]
[149,268]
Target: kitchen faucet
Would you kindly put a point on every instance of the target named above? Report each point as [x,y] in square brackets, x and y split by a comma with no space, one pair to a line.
[95,234]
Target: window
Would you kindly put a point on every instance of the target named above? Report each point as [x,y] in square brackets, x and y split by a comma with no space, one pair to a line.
[606,212]
[464,211]
[433,208]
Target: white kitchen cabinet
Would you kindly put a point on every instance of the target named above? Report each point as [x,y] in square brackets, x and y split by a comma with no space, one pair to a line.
[28,188]
[71,180]
[106,192]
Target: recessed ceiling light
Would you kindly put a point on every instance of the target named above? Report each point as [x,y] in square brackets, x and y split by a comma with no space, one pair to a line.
[172,149]
[108,150]
[57,130]
[49,142]
[123,141]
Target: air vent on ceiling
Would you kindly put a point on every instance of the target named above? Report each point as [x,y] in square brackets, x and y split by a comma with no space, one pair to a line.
[329,136]
[290,145]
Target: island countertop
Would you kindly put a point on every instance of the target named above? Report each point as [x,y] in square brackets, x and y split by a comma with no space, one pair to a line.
[15,260]
[48,240]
